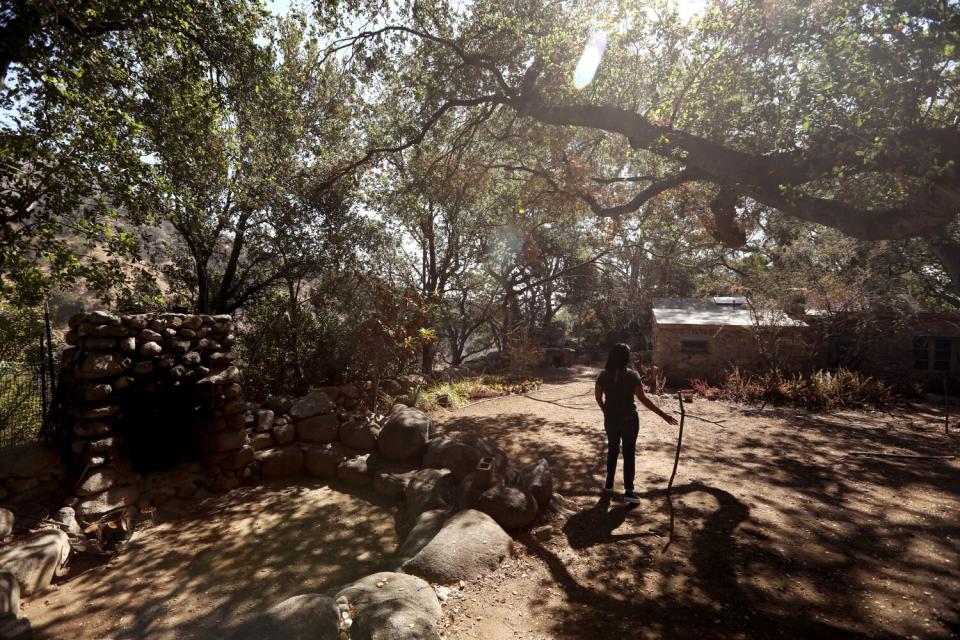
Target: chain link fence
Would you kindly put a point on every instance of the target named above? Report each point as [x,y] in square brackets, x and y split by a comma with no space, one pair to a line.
[23,406]
[27,379]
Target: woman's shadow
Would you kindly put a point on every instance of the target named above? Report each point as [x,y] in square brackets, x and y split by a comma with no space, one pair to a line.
[597,524]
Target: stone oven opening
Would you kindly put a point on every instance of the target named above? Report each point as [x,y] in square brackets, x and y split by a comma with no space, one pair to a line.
[161,426]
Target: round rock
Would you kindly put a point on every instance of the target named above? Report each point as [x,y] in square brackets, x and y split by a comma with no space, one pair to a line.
[511,507]
[323,461]
[34,560]
[536,479]
[391,606]
[462,456]
[282,462]
[470,544]
[6,522]
[430,489]
[312,404]
[359,434]
[319,429]
[405,434]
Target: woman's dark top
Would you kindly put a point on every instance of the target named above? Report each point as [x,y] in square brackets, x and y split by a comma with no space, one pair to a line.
[618,386]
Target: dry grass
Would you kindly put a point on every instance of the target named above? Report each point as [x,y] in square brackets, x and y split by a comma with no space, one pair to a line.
[456,394]
[821,390]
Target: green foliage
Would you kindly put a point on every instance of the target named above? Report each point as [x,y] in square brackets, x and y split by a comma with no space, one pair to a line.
[74,186]
[462,392]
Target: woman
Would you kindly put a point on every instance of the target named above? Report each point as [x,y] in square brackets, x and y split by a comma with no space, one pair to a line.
[616,387]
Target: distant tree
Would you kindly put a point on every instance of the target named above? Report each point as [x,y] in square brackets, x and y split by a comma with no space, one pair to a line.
[72,184]
[843,114]
[235,163]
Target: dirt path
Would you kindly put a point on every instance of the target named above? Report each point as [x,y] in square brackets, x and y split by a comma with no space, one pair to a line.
[242,552]
[778,533]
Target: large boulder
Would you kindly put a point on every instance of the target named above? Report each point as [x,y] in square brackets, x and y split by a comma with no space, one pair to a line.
[511,507]
[536,479]
[426,526]
[323,461]
[115,497]
[392,606]
[462,456]
[282,462]
[9,594]
[430,489]
[305,617]
[35,560]
[411,381]
[359,434]
[405,434]
[313,404]
[6,522]
[318,429]
[470,544]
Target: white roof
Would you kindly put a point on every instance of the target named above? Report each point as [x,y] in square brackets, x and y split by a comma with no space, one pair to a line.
[691,311]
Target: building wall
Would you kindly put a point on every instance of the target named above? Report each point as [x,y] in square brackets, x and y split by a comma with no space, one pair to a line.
[727,347]
[891,356]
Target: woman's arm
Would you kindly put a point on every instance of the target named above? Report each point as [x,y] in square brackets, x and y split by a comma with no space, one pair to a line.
[648,403]
[598,394]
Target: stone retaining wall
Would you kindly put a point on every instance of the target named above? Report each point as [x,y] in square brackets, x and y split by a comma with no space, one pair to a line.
[457,496]
[118,365]
[118,370]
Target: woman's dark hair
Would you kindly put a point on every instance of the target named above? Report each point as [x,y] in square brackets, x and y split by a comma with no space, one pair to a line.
[619,356]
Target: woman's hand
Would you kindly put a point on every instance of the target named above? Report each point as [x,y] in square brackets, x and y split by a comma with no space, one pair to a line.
[668,418]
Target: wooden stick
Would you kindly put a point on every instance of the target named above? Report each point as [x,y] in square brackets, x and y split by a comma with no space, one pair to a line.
[676,458]
[695,417]
[912,456]
[676,461]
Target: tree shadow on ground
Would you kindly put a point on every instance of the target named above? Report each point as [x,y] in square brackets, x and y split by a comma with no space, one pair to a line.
[232,555]
[779,531]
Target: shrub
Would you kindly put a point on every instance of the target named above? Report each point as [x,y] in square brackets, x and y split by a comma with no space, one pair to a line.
[821,390]
[469,390]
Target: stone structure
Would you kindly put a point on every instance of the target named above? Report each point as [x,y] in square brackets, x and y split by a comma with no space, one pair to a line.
[155,417]
[149,391]
[704,338]
[900,348]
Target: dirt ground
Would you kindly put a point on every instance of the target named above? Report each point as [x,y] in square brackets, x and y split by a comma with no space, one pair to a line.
[778,533]
[196,575]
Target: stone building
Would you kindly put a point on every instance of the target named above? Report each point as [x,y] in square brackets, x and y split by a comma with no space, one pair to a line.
[703,338]
[901,348]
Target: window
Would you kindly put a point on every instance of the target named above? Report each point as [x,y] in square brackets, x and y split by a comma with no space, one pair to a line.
[933,353]
[693,345]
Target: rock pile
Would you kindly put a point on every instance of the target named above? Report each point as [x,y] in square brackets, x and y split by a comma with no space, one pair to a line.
[116,362]
[459,496]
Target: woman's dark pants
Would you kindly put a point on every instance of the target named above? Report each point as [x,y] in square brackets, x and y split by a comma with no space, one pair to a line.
[623,428]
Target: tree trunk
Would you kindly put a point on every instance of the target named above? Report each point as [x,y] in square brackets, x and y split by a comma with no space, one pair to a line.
[203,286]
[428,352]
[230,272]
[948,253]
